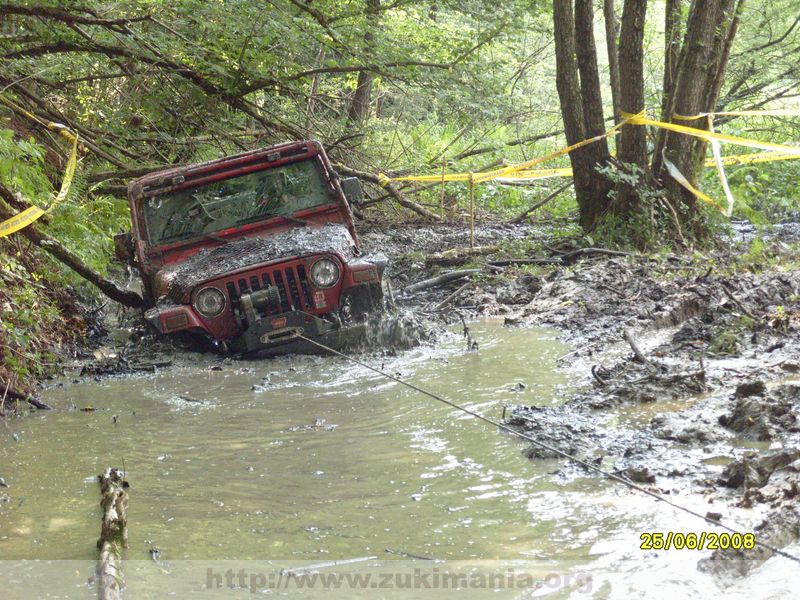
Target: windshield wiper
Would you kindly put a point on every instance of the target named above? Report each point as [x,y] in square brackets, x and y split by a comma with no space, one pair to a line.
[290,218]
[216,238]
[297,220]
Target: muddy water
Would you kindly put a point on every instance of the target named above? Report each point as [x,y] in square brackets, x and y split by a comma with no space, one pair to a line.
[314,459]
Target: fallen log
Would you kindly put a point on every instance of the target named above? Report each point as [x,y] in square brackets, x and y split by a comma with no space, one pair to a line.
[126,173]
[458,256]
[113,534]
[66,257]
[393,192]
[437,281]
[507,262]
[15,395]
[25,398]
[574,254]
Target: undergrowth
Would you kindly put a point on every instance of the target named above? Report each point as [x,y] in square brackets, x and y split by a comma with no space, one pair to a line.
[39,314]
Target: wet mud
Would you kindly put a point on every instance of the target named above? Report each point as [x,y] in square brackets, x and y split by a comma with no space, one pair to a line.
[706,356]
[711,352]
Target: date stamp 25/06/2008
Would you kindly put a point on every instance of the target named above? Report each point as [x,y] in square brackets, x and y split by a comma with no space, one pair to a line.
[705,540]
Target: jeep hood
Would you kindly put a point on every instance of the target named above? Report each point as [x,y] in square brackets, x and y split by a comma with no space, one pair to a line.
[177,281]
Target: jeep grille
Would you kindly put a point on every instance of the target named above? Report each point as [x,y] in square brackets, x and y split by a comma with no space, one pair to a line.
[292,283]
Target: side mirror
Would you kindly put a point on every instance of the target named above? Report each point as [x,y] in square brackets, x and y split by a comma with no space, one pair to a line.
[123,247]
[351,186]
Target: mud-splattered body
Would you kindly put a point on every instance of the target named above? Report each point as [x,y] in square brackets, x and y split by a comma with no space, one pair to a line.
[254,251]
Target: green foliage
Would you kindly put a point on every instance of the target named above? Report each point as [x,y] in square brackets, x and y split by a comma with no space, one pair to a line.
[87,227]
[30,322]
[650,225]
[768,192]
[22,167]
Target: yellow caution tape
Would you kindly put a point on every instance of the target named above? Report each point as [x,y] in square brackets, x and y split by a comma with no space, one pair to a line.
[714,139]
[738,159]
[539,174]
[781,112]
[716,152]
[773,152]
[20,221]
[757,157]
[675,173]
[709,136]
[33,213]
[489,176]
[505,171]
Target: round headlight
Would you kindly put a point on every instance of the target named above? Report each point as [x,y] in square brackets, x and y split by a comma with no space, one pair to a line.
[324,273]
[209,302]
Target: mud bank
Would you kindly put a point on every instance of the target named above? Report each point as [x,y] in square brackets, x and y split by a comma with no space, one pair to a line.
[712,350]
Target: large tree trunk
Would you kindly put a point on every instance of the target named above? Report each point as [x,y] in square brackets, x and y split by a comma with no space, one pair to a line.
[690,95]
[359,106]
[591,96]
[590,187]
[723,42]
[721,66]
[633,140]
[610,17]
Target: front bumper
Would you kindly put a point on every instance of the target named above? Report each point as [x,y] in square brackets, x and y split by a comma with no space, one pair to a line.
[280,334]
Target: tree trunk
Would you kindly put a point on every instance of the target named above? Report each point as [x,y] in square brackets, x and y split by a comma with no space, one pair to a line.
[633,141]
[672,52]
[610,17]
[690,94]
[723,41]
[590,188]
[724,56]
[591,96]
[359,105]
[594,121]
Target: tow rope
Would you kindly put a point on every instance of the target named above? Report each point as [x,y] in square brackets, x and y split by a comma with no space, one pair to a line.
[586,465]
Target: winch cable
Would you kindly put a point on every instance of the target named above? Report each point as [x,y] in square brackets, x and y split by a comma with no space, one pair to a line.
[586,465]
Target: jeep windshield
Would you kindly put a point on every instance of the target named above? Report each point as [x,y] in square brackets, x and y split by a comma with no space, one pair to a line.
[201,211]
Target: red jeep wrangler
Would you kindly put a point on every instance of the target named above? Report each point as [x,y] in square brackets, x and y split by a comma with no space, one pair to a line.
[253,251]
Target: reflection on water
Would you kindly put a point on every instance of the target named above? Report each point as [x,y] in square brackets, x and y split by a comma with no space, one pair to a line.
[315,459]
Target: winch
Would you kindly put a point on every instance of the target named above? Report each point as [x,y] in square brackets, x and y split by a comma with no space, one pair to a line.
[253,303]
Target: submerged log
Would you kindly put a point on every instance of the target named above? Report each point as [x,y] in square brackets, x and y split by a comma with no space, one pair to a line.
[458,256]
[11,393]
[440,280]
[113,534]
